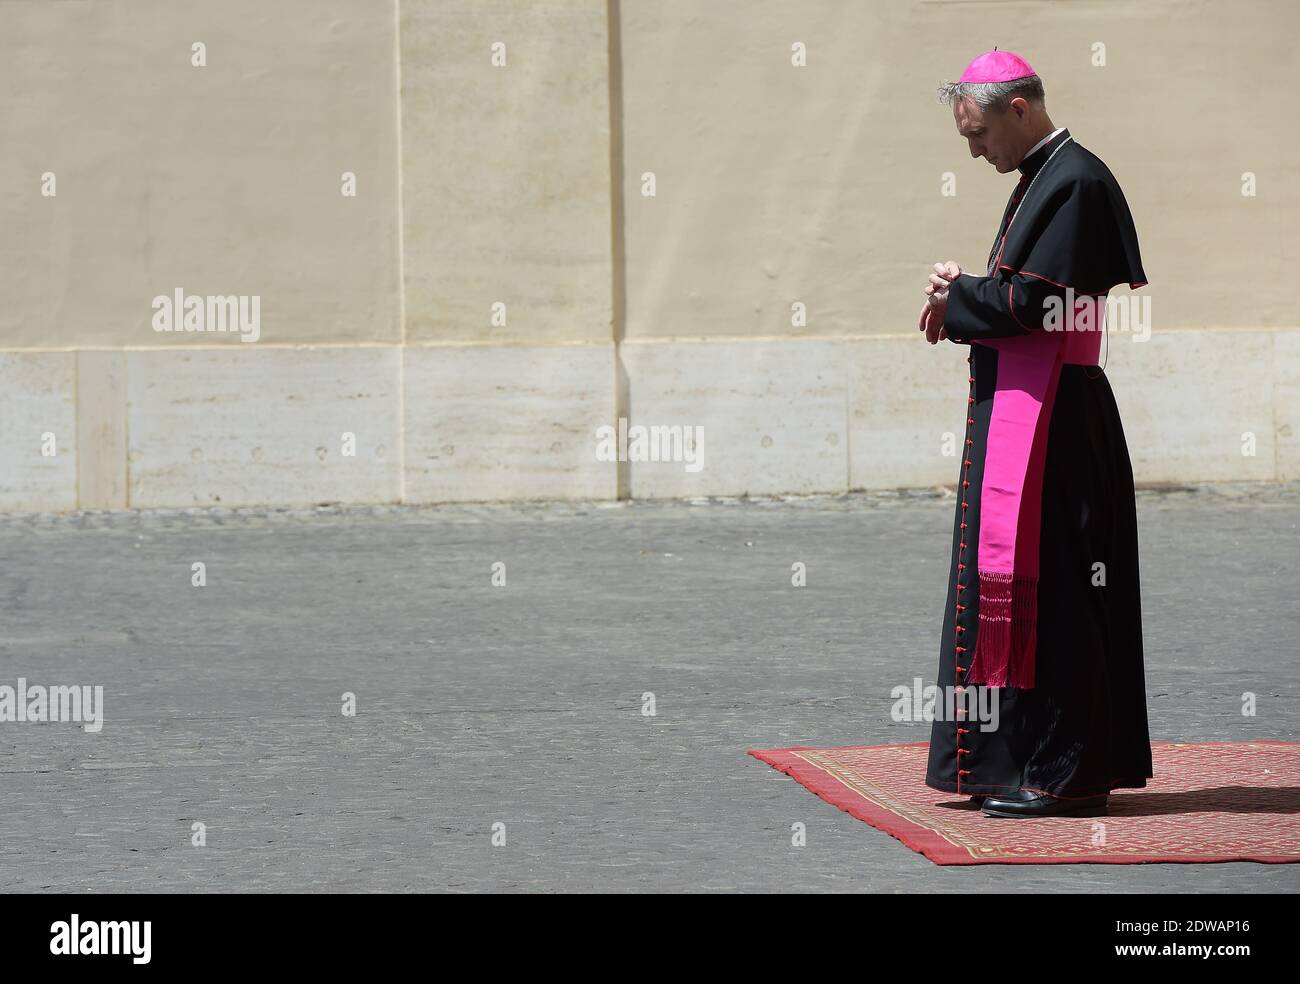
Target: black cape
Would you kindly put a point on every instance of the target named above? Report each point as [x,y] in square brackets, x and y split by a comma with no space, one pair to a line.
[1082,729]
[1072,228]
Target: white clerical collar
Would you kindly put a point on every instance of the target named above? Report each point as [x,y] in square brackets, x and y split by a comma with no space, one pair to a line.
[1047,139]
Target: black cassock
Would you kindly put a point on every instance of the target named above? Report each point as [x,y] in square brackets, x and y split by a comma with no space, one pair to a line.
[1081,730]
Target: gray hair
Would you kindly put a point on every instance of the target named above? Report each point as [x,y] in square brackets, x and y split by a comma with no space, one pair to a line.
[994,96]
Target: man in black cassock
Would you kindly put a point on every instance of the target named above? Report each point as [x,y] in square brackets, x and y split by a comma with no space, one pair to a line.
[1043,603]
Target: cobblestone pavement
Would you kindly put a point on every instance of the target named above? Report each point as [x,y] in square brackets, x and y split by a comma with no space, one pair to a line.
[521,704]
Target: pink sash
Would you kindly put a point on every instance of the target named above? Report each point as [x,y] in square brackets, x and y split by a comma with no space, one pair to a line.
[1011,496]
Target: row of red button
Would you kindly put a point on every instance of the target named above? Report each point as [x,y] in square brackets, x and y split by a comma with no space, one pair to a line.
[965,483]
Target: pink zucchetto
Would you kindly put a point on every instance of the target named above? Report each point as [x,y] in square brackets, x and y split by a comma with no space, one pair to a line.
[996,66]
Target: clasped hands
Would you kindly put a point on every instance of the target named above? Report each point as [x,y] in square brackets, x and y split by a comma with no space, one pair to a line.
[936,301]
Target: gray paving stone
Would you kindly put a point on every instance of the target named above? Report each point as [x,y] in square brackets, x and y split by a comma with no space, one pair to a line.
[522,704]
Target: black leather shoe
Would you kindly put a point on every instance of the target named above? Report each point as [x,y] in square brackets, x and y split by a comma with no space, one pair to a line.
[1019,796]
[978,798]
[1026,803]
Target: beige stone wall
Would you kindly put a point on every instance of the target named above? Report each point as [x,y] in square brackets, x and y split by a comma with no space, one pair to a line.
[503,282]
[823,183]
[506,162]
[222,179]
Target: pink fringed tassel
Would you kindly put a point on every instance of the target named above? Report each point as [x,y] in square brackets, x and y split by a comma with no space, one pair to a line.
[1008,632]
[993,640]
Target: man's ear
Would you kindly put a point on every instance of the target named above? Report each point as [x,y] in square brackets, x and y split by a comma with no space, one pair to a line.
[1020,106]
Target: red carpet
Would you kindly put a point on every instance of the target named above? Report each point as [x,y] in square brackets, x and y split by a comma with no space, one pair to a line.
[1209,801]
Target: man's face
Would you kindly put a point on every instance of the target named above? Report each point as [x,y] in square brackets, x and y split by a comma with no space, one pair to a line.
[993,136]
